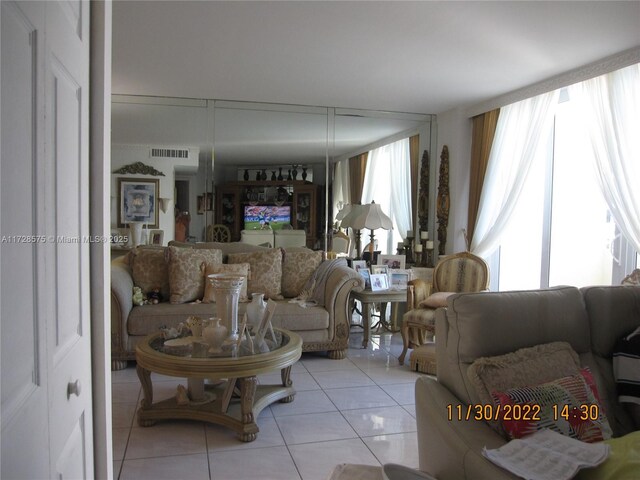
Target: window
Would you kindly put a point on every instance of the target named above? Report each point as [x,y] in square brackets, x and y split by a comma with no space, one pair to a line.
[562,232]
[388,182]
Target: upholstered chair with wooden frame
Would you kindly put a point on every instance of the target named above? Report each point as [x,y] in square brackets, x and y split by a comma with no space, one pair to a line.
[340,242]
[461,272]
[218,233]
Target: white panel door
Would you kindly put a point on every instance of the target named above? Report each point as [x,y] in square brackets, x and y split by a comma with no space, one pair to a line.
[24,381]
[45,268]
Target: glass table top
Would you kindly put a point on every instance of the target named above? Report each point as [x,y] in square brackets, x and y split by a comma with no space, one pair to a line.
[196,347]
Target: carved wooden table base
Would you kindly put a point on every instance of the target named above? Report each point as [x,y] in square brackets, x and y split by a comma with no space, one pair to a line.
[235,402]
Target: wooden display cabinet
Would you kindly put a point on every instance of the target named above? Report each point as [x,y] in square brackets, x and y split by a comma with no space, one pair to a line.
[229,210]
[302,197]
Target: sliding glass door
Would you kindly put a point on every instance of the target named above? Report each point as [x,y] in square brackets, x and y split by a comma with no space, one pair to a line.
[563,232]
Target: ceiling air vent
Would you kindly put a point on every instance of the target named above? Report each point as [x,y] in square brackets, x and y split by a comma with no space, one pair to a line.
[169,153]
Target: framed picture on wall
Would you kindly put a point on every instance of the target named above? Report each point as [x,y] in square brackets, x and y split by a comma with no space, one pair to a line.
[205,203]
[138,201]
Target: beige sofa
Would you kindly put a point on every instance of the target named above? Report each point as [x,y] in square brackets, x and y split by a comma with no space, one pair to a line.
[323,328]
[475,325]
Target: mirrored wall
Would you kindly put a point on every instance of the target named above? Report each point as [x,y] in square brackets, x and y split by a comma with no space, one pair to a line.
[201,149]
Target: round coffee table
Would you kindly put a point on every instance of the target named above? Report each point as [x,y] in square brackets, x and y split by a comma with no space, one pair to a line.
[235,400]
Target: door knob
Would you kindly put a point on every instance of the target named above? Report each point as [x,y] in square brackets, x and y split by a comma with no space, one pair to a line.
[73,388]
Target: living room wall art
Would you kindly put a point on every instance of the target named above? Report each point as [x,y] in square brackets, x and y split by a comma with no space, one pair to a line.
[138,200]
[443,200]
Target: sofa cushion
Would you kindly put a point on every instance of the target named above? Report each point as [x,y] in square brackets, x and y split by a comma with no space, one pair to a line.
[568,405]
[149,269]
[614,311]
[266,271]
[436,300]
[235,268]
[147,319]
[487,324]
[292,316]
[186,272]
[297,267]
[226,247]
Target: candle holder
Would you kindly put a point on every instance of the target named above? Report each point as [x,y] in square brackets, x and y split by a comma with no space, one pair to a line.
[408,248]
[425,253]
[429,254]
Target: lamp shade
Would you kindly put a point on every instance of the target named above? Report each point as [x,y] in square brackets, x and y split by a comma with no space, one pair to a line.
[369,216]
[344,211]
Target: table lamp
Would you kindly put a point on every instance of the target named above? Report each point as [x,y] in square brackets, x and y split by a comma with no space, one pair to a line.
[345,222]
[344,211]
[368,216]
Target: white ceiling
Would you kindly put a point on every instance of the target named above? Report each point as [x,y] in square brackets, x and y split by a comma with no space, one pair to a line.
[423,57]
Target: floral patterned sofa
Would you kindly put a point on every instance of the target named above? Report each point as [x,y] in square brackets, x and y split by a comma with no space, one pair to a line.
[179,271]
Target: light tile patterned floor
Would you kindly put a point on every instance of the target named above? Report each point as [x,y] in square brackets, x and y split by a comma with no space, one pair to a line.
[357,410]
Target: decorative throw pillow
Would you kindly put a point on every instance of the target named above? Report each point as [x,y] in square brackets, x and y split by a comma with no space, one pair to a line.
[186,272]
[149,270]
[436,300]
[266,271]
[236,268]
[568,405]
[527,366]
[297,268]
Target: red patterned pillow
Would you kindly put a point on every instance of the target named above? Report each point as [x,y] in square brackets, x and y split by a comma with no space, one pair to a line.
[568,405]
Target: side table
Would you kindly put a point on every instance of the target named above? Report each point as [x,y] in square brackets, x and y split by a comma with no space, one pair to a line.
[367,297]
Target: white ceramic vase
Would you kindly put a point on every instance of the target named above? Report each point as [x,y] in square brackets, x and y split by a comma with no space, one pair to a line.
[256,310]
[214,334]
[137,235]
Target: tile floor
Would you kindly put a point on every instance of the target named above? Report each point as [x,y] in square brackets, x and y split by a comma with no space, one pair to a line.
[356,410]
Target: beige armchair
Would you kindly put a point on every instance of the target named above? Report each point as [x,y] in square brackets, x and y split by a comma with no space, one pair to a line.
[462,272]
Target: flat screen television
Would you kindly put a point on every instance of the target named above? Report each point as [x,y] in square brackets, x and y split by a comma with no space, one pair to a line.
[255,216]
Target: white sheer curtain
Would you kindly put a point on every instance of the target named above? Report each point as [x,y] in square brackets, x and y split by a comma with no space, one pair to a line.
[522,131]
[342,193]
[387,181]
[610,107]
[340,186]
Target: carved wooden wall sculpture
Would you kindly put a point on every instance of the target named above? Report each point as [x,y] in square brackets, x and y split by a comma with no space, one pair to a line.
[423,196]
[443,200]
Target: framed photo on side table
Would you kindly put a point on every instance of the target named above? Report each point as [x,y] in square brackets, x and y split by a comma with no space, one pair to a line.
[399,279]
[156,237]
[358,264]
[377,269]
[138,201]
[379,282]
[392,261]
[367,277]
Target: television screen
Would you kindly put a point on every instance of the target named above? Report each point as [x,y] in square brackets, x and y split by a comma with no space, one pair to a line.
[255,216]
